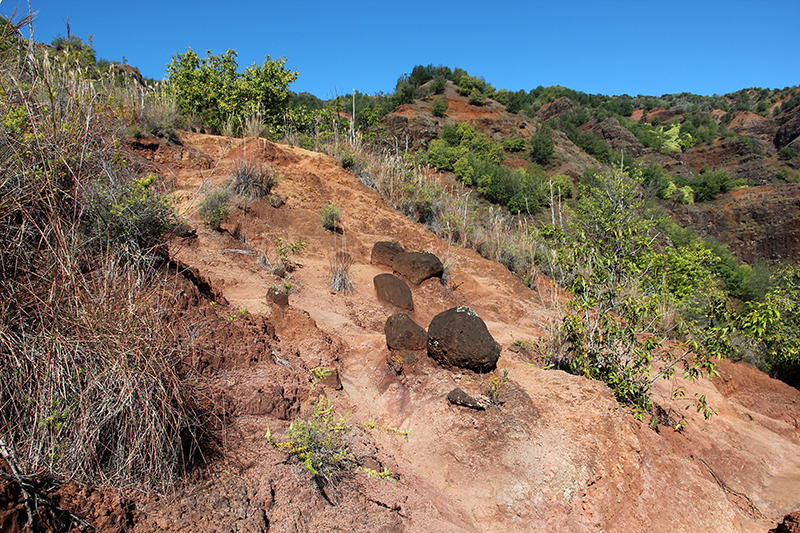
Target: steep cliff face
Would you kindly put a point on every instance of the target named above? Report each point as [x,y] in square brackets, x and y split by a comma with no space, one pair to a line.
[755,222]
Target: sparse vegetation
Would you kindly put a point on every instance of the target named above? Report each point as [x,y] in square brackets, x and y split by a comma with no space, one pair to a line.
[340,273]
[214,209]
[331,217]
[253,180]
[496,390]
[319,442]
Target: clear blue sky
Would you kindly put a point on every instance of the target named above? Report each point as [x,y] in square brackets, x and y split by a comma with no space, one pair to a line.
[611,47]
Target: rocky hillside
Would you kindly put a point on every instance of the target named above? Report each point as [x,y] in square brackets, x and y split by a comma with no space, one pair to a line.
[557,453]
[757,222]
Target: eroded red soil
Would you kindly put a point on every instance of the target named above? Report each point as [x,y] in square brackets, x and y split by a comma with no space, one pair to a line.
[560,454]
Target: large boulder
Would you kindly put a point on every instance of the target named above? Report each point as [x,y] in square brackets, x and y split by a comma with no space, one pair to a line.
[393,290]
[402,333]
[459,337]
[383,252]
[416,267]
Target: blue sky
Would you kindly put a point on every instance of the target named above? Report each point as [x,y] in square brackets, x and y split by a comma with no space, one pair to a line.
[611,47]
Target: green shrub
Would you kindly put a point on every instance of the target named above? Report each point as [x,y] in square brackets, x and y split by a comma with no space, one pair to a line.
[439,107]
[347,160]
[773,325]
[331,217]
[320,443]
[214,208]
[133,215]
[253,180]
[514,145]
[709,184]
[542,146]
[787,152]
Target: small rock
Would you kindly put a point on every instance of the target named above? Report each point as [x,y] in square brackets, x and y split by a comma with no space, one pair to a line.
[276,201]
[278,296]
[331,377]
[459,397]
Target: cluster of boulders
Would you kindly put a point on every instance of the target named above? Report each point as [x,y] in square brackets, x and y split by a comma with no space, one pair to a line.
[457,337]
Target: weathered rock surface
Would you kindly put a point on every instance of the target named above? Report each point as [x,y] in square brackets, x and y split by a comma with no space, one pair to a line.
[393,290]
[618,137]
[789,128]
[402,333]
[416,267]
[459,337]
[555,108]
[756,222]
[383,252]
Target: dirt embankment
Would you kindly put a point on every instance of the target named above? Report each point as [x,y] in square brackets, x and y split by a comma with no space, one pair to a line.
[560,454]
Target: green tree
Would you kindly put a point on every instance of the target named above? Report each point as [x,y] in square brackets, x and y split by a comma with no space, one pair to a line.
[609,333]
[439,107]
[774,326]
[542,146]
[213,90]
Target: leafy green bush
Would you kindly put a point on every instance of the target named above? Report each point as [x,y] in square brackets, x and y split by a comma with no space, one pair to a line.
[709,184]
[129,213]
[347,160]
[623,288]
[254,181]
[514,145]
[214,208]
[774,325]
[787,152]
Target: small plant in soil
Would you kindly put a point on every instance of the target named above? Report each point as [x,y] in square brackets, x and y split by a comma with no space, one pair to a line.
[319,442]
[331,217]
[214,208]
[498,383]
[340,273]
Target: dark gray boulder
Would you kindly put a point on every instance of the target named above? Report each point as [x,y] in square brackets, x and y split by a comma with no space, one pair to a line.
[383,253]
[416,267]
[459,337]
[393,290]
[402,333]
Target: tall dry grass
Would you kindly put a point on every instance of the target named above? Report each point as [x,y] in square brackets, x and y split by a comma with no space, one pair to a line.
[453,212]
[91,382]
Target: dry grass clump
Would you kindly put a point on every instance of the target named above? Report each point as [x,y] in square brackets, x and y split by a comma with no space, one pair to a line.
[340,272]
[91,382]
[254,180]
[455,216]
